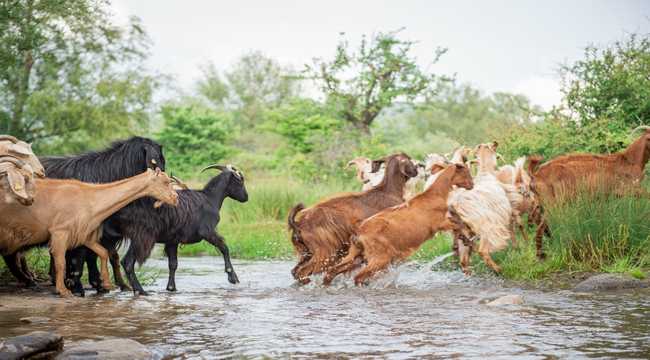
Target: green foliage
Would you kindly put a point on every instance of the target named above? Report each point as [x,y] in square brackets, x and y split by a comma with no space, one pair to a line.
[597,230]
[194,137]
[69,78]
[464,114]
[360,84]
[253,84]
[302,122]
[611,83]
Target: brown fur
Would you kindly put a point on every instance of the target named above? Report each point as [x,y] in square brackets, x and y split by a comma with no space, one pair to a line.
[561,177]
[69,213]
[321,233]
[395,233]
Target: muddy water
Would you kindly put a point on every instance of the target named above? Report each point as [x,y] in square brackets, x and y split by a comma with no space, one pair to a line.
[410,312]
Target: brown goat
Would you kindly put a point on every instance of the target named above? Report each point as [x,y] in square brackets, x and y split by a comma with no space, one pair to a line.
[562,176]
[69,213]
[395,233]
[322,232]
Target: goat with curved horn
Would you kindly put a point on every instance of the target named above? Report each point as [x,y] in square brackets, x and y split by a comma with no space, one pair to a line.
[214,166]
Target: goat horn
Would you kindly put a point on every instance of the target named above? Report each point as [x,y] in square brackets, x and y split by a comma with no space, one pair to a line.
[179,182]
[215,166]
[646,127]
[8,137]
[13,160]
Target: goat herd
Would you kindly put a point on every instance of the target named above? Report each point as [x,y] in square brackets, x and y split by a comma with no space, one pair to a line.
[95,200]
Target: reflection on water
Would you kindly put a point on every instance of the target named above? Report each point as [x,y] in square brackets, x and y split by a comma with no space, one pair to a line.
[410,312]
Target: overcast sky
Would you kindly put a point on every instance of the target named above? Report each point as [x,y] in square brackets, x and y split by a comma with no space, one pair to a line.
[513,46]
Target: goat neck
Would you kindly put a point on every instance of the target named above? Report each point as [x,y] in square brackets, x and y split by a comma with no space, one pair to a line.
[215,189]
[393,181]
[440,188]
[637,152]
[106,199]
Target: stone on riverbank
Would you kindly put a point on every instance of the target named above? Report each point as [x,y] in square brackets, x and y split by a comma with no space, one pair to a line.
[37,344]
[34,320]
[507,300]
[605,282]
[111,349]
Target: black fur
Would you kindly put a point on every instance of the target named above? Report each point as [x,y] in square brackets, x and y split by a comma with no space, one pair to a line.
[121,160]
[194,219]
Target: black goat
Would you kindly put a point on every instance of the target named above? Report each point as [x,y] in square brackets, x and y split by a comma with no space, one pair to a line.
[122,159]
[194,219]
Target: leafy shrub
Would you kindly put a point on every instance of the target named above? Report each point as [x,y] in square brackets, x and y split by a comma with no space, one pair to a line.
[194,137]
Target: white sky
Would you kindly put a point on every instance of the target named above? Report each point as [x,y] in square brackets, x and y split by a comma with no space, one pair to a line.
[513,46]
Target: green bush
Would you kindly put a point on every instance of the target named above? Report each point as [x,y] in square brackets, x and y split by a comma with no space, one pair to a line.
[194,136]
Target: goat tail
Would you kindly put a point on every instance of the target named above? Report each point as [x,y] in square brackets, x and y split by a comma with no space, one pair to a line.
[533,163]
[292,216]
[296,238]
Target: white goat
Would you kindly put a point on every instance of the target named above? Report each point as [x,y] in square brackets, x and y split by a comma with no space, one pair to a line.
[484,211]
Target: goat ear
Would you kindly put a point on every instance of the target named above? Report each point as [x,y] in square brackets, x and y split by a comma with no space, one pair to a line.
[376,164]
[17,183]
[494,145]
[19,150]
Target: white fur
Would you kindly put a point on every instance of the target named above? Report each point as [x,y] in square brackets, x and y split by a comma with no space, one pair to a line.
[485,209]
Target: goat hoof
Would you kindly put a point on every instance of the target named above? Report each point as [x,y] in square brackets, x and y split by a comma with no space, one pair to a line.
[101,290]
[232,278]
[171,288]
[141,292]
[65,293]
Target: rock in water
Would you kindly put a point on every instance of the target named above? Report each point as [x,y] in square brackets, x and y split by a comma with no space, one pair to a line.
[603,282]
[34,320]
[507,300]
[37,344]
[112,349]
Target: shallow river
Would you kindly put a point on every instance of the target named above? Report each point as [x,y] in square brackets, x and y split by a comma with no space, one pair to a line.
[410,312]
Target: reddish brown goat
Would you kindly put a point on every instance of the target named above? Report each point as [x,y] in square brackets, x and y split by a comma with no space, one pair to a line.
[395,233]
[562,176]
[322,232]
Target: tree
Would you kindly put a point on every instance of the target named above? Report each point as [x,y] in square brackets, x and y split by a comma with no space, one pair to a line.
[194,137]
[252,84]
[469,116]
[302,122]
[364,82]
[610,83]
[68,74]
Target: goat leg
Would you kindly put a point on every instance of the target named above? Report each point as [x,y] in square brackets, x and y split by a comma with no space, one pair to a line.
[345,265]
[98,249]
[13,262]
[114,257]
[171,249]
[128,263]
[218,241]
[74,271]
[58,244]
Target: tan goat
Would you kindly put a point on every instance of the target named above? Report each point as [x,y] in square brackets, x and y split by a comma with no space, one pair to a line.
[69,213]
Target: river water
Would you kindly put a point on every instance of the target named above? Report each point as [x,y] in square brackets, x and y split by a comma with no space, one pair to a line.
[410,312]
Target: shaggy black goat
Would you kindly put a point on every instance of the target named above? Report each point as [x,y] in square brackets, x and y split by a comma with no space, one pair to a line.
[122,159]
[194,219]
